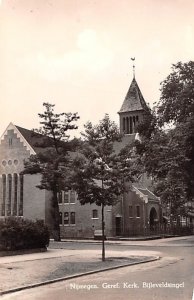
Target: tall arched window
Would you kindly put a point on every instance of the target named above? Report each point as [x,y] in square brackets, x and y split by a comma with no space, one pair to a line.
[131,125]
[4,195]
[127,125]
[123,124]
[134,124]
[15,194]
[21,195]
[9,194]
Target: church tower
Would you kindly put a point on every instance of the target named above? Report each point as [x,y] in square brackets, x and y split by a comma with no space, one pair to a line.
[132,110]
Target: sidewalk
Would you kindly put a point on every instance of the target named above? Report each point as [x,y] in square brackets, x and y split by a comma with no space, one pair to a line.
[137,241]
[28,270]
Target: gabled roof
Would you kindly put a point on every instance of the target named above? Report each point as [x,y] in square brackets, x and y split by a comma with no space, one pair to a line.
[145,194]
[34,139]
[148,193]
[38,141]
[134,100]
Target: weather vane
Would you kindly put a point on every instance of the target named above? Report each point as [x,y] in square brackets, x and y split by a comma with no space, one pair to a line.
[133,59]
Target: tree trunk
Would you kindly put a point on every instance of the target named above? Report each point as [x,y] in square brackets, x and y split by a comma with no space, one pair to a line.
[55,217]
[103,237]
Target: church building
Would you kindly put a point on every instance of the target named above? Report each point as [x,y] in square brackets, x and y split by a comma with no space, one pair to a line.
[137,211]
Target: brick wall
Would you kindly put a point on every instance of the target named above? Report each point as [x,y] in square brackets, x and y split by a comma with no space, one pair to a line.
[85,224]
[34,198]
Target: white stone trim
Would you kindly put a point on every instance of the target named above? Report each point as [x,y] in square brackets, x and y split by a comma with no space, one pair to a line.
[158,198]
[140,194]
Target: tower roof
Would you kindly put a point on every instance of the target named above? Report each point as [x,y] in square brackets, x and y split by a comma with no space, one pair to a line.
[134,99]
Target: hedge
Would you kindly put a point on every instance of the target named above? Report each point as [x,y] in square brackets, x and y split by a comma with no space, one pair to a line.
[18,233]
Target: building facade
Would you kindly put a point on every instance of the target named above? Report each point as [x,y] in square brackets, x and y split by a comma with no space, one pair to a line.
[137,210]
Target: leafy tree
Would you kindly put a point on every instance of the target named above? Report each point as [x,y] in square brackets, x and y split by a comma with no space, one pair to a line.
[176,106]
[177,94]
[168,155]
[163,158]
[53,160]
[100,172]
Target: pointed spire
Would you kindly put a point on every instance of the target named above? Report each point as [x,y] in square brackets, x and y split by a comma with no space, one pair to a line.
[133,59]
[134,99]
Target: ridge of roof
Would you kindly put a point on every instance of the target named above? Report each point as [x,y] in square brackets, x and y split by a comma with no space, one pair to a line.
[134,99]
[34,139]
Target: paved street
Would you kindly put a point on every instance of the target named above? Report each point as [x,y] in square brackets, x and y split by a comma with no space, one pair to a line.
[172,277]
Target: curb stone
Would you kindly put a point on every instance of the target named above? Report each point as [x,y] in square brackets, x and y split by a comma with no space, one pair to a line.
[76,276]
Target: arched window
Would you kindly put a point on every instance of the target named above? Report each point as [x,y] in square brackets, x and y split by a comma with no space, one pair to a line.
[21,195]
[9,194]
[15,195]
[131,125]
[123,124]
[4,195]
[127,125]
[134,129]
[66,218]
[72,218]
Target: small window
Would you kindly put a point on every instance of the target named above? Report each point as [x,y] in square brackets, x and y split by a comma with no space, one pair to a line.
[66,197]
[66,218]
[60,218]
[138,211]
[60,197]
[95,214]
[72,218]
[72,196]
[10,142]
[130,211]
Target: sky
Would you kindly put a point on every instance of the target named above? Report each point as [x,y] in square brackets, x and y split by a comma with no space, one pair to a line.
[76,54]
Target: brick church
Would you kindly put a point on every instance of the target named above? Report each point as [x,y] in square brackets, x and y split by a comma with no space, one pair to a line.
[137,211]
